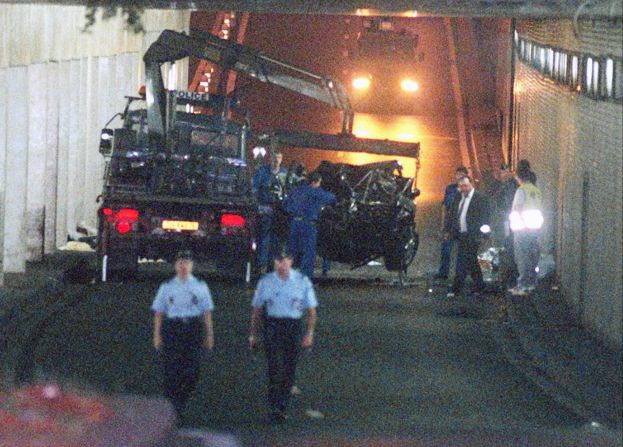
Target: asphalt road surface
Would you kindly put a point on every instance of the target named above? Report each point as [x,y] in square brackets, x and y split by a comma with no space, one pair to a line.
[388,362]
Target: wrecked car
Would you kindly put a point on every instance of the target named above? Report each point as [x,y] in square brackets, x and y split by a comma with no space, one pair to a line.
[374,215]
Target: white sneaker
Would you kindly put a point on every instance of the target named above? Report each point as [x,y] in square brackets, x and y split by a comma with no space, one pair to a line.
[295,391]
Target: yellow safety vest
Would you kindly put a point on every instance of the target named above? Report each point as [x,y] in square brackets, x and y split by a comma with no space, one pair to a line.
[530,216]
[532,195]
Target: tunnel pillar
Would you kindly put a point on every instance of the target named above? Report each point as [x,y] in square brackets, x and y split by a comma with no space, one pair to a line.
[36,164]
[51,161]
[15,170]
[3,130]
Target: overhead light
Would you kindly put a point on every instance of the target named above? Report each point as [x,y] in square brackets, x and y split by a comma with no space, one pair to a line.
[361,83]
[409,85]
[412,13]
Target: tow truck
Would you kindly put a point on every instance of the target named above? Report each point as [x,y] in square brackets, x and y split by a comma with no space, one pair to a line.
[176,172]
[188,190]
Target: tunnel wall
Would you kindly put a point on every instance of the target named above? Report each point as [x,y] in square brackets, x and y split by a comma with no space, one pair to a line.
[575,144]
[58,88]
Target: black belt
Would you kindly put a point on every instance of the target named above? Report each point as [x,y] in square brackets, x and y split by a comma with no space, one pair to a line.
[280,319]
[184,320]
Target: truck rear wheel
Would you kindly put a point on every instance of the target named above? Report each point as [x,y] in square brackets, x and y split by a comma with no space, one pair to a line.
[118,268]
[235,267]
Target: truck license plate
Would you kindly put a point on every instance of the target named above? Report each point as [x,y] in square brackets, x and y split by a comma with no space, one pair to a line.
[180,225]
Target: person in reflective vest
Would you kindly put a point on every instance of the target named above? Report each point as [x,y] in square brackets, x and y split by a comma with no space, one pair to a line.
[526,220]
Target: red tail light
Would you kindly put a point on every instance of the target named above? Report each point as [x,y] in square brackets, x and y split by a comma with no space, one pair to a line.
[128,214]
[124,227]
[123,220]
[232,221]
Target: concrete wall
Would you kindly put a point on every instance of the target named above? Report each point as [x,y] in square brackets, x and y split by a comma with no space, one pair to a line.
[575,146]
[58,87]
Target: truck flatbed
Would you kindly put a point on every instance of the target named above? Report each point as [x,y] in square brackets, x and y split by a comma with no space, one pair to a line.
[151,198]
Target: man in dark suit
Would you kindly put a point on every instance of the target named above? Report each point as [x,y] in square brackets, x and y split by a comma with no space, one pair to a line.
[468,223]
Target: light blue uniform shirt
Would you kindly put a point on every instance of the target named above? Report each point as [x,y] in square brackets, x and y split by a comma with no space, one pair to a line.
[177,299]
[285,298]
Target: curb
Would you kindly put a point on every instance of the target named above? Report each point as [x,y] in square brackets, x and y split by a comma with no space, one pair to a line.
[22,325]
[546,354]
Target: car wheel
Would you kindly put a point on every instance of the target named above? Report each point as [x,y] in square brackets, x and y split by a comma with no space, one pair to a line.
[400,251]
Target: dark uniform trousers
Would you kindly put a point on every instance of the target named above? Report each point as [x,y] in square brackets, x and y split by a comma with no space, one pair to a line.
[468,257]
[181,356]
[302,244]
[265,239]
[282,338]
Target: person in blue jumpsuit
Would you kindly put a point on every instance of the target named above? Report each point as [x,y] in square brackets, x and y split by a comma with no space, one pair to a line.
[280,300]
[304,205]
[267,182]
[182,328]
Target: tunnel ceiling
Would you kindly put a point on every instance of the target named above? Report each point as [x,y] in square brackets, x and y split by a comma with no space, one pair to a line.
[474,8]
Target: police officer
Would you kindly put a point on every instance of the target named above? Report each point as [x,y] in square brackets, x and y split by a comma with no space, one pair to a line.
[182,308]
[268,181]
[304,205]
[280,300]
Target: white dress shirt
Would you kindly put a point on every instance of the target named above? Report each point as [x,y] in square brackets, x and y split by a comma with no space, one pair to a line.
[465,205]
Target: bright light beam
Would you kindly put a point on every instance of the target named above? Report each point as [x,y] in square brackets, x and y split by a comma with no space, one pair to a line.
[409,85]
[361,83]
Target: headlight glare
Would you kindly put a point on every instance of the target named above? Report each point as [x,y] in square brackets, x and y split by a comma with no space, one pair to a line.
[409,85]
[361,83]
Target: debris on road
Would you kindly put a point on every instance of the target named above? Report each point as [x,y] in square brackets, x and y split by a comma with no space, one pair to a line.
[77,246]
[295,391]
[314,414]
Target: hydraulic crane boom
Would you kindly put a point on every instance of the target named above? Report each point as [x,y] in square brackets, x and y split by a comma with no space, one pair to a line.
[172,45]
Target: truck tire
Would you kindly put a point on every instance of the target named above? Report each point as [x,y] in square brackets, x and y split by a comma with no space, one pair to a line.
[118,268]
[232,260]
[234,267]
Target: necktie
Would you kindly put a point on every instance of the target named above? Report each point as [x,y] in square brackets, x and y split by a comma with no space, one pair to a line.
[461,210]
